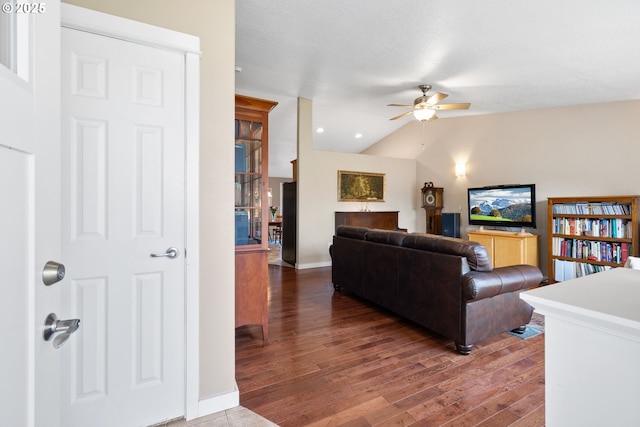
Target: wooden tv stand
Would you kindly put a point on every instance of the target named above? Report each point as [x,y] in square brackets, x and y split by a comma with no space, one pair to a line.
[508,247]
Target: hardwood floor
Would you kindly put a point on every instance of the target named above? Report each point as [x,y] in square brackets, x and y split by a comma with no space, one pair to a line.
[335,360]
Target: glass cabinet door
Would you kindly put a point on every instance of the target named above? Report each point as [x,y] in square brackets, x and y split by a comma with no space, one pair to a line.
[249,182]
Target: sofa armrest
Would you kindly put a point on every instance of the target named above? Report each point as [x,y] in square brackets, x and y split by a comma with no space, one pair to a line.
[477,285]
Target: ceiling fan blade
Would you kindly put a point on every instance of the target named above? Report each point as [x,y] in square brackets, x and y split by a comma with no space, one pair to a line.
[400,105]
[459,106]
[401,115]
[436,97]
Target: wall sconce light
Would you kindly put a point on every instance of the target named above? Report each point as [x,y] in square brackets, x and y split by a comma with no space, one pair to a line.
[461,170]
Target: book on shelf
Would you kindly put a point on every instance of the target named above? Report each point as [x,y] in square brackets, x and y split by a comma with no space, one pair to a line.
[567,270]
[593,227]
[592,208]
[591,250]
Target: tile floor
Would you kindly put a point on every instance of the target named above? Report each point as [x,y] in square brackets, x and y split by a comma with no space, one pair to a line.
[235,417]
[275,256]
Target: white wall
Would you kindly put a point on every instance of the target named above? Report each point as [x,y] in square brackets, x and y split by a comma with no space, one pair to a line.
[318,191]
[586,150]
[214,23]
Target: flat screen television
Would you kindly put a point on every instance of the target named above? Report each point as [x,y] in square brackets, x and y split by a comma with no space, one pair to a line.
[503,205]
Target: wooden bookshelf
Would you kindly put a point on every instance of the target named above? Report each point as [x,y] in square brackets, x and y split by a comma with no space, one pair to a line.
[587,235]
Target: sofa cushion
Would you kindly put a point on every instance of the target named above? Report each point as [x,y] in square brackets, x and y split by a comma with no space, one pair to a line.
[352,232]
[386,236]
[476,254]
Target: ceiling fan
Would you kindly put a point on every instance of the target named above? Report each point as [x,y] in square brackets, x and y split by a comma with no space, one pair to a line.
[424,107]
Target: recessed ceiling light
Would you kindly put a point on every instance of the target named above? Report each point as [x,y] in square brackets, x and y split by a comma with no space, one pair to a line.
[358,135]
[320,130]
[238,69]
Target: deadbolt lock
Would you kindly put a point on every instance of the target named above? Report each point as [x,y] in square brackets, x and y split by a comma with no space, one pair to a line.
[53,272]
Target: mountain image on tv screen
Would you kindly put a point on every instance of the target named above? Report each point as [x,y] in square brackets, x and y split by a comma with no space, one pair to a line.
[512,204]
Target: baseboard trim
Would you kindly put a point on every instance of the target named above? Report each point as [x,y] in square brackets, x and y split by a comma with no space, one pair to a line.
[313,265]
[218,403]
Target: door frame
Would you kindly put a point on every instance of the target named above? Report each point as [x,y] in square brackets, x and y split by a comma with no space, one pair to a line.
[77,18]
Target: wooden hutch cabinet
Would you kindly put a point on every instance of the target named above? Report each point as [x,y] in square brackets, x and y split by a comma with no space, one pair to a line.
[251,211]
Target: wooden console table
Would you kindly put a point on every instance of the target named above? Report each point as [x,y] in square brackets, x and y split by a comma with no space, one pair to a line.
[381,220]
[592,343]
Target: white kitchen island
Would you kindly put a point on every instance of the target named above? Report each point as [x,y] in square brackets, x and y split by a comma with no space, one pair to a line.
[592,349]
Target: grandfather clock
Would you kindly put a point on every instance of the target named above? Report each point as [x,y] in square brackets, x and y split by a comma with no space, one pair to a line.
[432,204]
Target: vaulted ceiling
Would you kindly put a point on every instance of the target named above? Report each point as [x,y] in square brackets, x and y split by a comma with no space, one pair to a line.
[353,57]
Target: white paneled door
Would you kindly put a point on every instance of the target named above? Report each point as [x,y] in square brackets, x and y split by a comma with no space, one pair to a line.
[16,368]
[29,214]
[123,241]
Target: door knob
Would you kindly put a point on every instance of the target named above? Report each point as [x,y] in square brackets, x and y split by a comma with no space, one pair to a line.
[170,253]
[53,326]
[52,273]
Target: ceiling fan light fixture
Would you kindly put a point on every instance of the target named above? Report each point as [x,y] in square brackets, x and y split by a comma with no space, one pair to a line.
[423,114]
[424,107]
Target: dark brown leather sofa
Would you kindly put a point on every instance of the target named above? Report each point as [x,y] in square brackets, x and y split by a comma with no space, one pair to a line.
[444,284]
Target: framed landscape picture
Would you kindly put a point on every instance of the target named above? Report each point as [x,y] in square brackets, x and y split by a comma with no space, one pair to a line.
[360,186]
